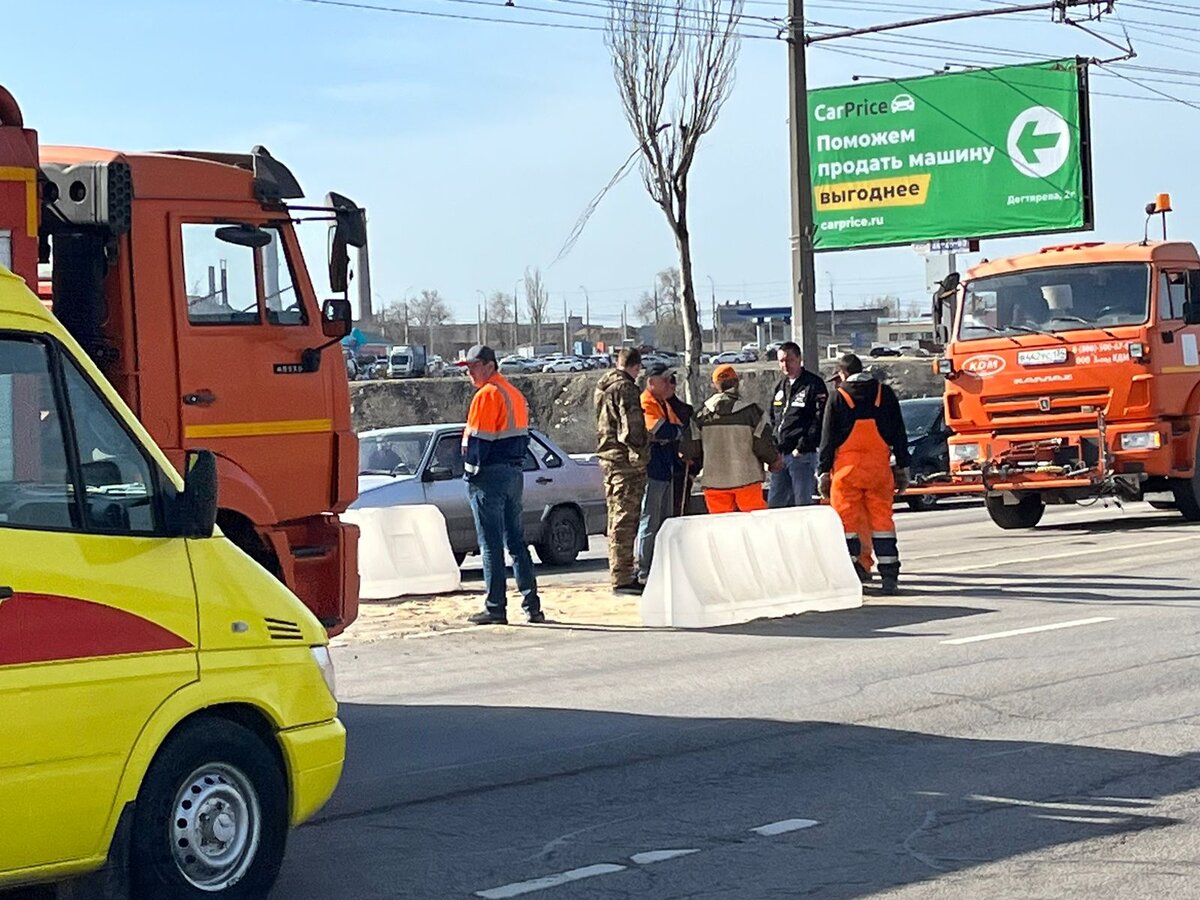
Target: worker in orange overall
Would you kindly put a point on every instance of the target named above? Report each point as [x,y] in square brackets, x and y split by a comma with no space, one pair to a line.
[862,464]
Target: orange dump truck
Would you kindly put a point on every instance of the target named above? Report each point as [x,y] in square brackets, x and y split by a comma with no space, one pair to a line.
[1073,373]
[181,275]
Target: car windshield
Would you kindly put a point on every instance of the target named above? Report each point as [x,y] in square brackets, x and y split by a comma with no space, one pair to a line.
[391,454]
[1065,298]
[919,417]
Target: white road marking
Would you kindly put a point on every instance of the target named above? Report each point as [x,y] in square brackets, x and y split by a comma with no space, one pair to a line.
[1003,634]
[540,884]
[784,827]
[653,856]
[1049,804]
[1088,820]
[1069,555]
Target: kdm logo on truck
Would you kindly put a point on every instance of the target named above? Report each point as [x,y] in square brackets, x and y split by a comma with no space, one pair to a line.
[984,365]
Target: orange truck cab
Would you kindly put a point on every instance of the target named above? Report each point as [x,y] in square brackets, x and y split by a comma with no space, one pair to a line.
[1073,373]
[181,275]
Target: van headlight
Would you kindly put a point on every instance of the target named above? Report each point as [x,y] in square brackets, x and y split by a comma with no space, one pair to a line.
[1141,440]
[325,663]
[964,452]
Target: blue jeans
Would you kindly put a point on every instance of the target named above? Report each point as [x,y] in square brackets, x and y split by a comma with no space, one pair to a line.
[794,484]
[495,494]
[656,509]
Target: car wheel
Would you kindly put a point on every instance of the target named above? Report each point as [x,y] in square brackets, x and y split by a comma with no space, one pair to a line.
[922,502]
[211,817]
[562,538]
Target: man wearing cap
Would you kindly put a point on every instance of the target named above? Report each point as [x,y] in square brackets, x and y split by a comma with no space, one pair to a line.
[624,450]
[737,444]
[493,445]
[664,428]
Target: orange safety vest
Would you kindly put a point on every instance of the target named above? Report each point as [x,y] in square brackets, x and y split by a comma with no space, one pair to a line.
[497,429]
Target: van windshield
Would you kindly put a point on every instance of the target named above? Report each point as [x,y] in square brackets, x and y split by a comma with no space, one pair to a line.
[1065,298]
[400,359]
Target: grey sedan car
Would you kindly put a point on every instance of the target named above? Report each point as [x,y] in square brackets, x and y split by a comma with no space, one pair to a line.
[564,498]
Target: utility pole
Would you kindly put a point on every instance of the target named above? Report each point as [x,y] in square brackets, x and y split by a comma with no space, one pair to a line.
[406,321]
[566,340]
[587,314]
[516,317]
[657,338]
[624,327]
[832,310]
[804,296]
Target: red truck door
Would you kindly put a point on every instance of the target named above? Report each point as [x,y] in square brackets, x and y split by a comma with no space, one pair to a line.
[244,317]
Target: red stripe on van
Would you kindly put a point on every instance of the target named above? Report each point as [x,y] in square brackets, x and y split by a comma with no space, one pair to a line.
[38,628]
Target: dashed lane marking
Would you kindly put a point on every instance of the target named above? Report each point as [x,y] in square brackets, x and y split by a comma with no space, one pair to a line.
[516,889]
[784,827]
[1031,630]
[653,856]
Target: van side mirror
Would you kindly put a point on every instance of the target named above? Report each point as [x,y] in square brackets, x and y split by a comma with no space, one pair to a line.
[337,318]
[194,514]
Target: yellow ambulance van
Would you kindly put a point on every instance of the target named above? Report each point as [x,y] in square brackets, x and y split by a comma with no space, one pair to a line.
[167,707]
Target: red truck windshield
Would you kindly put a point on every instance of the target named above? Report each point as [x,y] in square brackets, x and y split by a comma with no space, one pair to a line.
[1065,298]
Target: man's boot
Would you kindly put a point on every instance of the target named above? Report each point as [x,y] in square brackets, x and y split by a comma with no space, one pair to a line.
[863,573]
[889,577]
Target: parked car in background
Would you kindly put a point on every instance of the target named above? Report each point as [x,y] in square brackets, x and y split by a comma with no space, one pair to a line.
[878,352]
[519,365]
[925,422]
[564,498]
[601,361]
[435,368]
[772,351]
[564,364]
[728,357]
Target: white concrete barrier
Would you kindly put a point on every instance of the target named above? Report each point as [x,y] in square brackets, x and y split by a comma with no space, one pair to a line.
[403,550]
[736,567]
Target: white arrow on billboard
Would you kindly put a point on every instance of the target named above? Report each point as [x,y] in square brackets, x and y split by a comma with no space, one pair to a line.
[1038,143]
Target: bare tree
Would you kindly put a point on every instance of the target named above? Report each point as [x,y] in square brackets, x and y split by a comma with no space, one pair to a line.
[674,67]
[429,309]
[537,300]
[501,307]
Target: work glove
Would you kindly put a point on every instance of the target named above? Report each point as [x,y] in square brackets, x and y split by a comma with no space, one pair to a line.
[824,482]
[900,473]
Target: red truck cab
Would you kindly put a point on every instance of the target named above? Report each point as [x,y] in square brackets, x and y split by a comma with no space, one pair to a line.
[181,275]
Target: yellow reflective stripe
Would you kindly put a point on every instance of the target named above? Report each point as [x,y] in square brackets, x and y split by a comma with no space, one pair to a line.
[258,429]
[29,176]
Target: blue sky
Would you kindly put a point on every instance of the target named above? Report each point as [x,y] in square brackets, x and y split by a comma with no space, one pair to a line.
[475,146]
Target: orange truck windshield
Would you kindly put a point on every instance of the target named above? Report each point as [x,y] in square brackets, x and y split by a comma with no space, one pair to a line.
[1052,300]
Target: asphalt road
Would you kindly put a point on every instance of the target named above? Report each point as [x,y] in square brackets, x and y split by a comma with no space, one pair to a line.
[1022,722]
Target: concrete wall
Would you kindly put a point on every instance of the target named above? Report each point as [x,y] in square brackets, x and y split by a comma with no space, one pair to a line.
[562,405]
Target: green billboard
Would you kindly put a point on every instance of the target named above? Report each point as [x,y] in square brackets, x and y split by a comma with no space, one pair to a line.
[981,153]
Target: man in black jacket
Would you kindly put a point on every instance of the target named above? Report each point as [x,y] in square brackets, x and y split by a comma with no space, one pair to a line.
[797,409]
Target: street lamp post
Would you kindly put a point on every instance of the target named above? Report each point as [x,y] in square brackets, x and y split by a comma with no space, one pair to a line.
[516,315]
[587,314]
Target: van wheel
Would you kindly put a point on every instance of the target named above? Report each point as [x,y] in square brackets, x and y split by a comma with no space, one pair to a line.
[1025,514]
[562,538]
[211,818]
[1187,492]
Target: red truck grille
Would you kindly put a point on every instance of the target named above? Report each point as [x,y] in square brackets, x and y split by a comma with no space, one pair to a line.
[1051,406]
